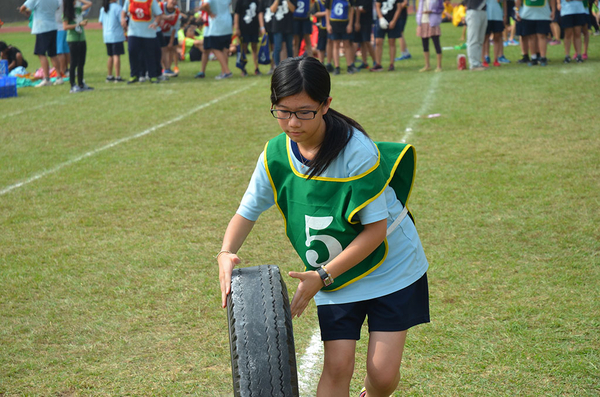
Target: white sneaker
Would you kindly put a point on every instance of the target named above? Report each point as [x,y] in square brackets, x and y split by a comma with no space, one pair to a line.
[58,81]
[44,83]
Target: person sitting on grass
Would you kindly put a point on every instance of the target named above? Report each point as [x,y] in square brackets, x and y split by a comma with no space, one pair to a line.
[13,55]
[458,19]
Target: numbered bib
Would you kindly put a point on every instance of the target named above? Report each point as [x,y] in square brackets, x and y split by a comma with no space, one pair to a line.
[320,213]
[302,8]
[339,10]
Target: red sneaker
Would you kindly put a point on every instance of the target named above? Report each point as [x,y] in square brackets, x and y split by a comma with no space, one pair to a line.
[496,63]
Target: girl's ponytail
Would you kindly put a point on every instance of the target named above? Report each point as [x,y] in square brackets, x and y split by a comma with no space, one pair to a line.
[106,5]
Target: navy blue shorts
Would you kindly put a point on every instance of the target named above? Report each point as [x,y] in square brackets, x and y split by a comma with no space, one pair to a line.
[395,33]
[339,36]
[113,49]
[494,27]
[364,34]
[302,27]
[166,38]
[45,43]
[322,42]
[534,26]
[402,23]
[250,38]
[570,21]
[395,312]
[219,43]
[519,28]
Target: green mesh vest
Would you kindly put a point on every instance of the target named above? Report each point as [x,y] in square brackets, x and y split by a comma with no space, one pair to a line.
[319,213]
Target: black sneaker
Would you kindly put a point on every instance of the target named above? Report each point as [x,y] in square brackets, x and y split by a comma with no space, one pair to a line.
[336,71]
[579,59]
[567,59]
[532,62]
[329,68]
[119,80]
[110,79]
[376,68]
[543,61]
[525,59]
[352,69]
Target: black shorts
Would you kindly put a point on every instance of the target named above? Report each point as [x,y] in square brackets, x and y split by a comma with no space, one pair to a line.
[394,33]
[494,27]
[302,27]
[533,26]
[322,42]
[395,312]
[364,34]
[113,49]
[249,37]
[45,43]
[570,21]
[219,43]
[167,38]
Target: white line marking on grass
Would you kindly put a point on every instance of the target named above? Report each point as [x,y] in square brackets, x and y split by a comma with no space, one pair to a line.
[3,116]
[120,141]
[408,131]
[308,370]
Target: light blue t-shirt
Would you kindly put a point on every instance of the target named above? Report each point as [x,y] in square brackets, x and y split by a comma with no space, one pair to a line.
[112,31]
[44,15]
[222,23]
[541,11]
[571,7]
[494,10]
[405,262]
[141,28]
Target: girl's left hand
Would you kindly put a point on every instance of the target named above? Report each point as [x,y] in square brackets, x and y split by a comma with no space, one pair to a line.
[310,284]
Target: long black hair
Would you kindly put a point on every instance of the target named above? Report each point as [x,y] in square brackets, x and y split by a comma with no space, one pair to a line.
[69,10]
[106,5]
[307,74]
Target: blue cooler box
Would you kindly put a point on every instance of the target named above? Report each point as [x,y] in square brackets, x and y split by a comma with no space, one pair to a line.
[3,67]
[8,86]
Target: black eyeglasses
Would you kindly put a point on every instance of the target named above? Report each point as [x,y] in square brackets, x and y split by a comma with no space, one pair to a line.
[300,114]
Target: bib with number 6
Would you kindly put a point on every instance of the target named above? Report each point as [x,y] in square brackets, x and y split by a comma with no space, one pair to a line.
[320,213]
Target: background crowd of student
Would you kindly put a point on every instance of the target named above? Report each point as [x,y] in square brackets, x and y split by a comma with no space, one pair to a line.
[159,35]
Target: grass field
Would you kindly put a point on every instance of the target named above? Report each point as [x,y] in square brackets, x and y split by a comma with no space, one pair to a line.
[113,204]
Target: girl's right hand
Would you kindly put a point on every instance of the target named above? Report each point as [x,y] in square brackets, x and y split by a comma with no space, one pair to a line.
[226,264]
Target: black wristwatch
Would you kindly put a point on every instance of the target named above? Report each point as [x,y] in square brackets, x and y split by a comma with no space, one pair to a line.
[325,276]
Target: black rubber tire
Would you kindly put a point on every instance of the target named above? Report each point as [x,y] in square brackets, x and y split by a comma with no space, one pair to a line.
[263,357]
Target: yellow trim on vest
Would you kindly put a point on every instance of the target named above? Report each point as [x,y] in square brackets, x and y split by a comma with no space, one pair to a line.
[351,216]
[371,270]
[329,179]
[274,190]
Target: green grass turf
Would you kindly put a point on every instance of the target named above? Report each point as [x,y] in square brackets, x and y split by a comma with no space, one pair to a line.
[108,285]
